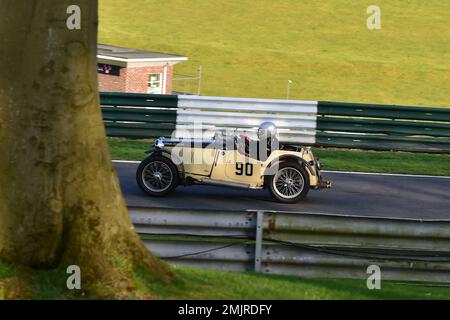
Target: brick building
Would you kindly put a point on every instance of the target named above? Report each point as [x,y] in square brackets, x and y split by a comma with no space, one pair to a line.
[135,71]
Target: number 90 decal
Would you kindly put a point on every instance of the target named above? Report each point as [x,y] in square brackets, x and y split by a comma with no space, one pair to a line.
[241,169]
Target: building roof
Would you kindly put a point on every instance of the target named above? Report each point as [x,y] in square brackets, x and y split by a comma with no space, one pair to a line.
[122,54]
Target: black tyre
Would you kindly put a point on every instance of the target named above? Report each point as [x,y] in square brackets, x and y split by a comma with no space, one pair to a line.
[157,176]
[290,183]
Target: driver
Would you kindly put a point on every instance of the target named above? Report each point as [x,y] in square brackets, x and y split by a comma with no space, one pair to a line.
[262,148]
[268,142]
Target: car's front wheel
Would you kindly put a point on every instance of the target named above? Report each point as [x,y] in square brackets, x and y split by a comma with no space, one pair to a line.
[290,183]
[157,176]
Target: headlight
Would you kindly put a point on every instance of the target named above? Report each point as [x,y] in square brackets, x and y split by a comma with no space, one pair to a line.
[159,143]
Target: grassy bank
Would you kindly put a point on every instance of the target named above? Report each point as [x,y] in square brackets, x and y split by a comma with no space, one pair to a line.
[385,162]
[208,284]
[251,48]
[332,159]
[191,283]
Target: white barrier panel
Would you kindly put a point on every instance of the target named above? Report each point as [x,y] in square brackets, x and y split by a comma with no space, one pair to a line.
[201,117]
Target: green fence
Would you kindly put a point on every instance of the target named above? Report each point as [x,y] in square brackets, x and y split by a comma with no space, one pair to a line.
[346,125]
[139,116]
[383,127]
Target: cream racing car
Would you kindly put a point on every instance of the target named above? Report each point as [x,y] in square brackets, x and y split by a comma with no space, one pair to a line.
[236,161]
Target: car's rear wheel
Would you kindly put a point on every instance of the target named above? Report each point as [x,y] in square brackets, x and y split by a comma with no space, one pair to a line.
[157,176]
[290,183]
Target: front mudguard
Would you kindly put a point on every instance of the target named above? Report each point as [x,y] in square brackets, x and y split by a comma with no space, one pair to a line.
[175,160]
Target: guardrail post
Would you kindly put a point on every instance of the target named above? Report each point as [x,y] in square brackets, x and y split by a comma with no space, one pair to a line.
[259,239]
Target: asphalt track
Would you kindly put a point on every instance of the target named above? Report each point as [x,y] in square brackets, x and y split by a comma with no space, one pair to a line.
[352,194]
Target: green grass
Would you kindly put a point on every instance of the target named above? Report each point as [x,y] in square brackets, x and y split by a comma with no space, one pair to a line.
[193,283]
[384,162]
[7,270]
[190,283]
[251,48]
[122,149]
[332,159]
[51,284]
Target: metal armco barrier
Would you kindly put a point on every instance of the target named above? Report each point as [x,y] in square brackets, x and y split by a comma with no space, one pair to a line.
[383,127]
[329,124]
[296,120]
[138,116]
[301,244]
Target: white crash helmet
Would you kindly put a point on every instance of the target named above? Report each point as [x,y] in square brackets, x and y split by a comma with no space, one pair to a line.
[267,130]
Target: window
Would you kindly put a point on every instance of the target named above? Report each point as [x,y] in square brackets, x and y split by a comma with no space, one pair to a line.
[155,83]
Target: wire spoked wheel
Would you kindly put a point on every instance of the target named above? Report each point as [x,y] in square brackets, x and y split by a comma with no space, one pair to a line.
[290,183]
[157,176]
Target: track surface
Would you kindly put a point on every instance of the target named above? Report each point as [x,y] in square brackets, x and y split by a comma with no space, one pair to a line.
[352,194]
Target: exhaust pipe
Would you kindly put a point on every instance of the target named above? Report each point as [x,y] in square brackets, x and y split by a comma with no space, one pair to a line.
[324,184]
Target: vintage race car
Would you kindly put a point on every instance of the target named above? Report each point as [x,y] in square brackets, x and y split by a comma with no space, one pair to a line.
[289,172]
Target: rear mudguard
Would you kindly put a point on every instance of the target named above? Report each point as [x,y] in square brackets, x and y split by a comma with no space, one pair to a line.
[291,157]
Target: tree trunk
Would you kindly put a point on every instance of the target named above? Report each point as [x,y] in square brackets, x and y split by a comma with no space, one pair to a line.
[60,201]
